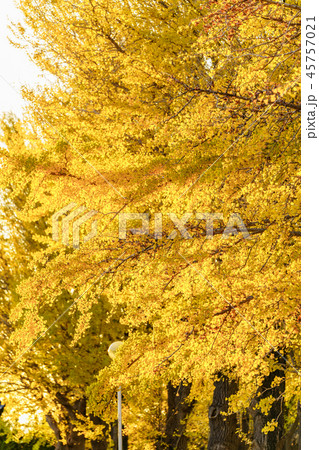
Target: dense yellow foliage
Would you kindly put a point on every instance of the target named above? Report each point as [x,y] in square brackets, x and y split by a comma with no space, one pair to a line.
[161,107]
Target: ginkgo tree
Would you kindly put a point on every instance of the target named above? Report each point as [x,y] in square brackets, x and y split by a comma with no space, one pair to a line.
[47,385]
[170,108]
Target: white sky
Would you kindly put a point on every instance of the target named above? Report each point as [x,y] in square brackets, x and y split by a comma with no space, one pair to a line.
[16,68]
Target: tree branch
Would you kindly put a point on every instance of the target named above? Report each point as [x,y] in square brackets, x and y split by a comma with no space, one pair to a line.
[286,5]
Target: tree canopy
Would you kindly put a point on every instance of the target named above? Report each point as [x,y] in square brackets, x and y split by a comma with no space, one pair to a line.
[175,110]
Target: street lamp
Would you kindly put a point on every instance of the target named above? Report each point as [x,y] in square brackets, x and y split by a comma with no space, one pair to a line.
[112,353]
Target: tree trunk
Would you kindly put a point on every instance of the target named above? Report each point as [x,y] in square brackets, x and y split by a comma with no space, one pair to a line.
[179,408]
[102,442]
[114,436]
[292,439]
[223,428]
[74,440]
[54,427]
[271,440]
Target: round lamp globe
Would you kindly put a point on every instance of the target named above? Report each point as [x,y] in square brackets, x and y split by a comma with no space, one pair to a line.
[113,348]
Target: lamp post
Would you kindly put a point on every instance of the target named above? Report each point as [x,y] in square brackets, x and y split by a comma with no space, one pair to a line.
[112,353]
